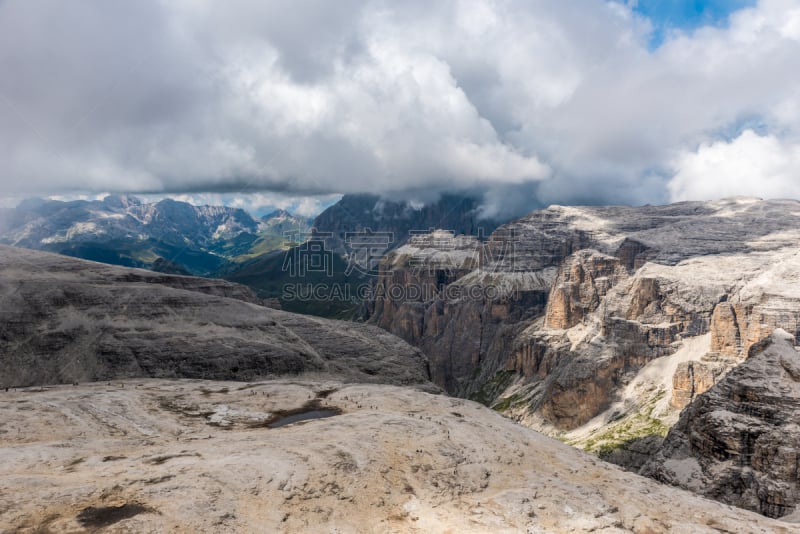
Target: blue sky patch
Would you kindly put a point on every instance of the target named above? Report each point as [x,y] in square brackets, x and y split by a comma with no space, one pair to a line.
[686,15]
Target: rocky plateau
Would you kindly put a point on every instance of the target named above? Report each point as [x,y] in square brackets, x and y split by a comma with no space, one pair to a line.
[202,456]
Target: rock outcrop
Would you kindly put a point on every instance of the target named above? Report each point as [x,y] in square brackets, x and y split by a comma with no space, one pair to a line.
[583,280]
[64,320]
[690,380]
[739,442]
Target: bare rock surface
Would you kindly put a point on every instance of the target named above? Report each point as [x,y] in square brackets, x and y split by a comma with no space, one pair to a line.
[65,320]
[739,442]
[200,456]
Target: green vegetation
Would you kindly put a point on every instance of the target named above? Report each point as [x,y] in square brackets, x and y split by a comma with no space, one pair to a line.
[313,292]
[142,254]
[493,388]
[263,245]
[512,401]
[235,246]
[631,427]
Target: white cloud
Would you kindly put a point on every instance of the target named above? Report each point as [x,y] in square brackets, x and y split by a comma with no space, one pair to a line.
[750,165]
[254,202]
[534,100]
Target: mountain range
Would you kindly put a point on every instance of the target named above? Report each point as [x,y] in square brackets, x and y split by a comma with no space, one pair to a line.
[217,241]
[659,338]
[138,401]
[123,230]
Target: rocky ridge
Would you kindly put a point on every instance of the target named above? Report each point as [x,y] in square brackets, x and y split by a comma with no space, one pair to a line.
[459,214]
[66,320]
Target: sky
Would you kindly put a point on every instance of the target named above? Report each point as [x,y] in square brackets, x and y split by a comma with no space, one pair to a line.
[528,102]
[667,16]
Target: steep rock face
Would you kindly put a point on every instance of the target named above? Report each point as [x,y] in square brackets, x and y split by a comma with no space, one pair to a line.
[740,441]
[469,334]
[434,293]
[748,293]
[569,376]
[726,336]
[65,320]
[737,326]
[582,281]
[414,275]
[690,380]
[577,301]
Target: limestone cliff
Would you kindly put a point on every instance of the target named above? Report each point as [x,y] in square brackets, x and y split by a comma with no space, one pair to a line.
[690,380]
[434,293]
[740,441]
[583,280]
[575,302]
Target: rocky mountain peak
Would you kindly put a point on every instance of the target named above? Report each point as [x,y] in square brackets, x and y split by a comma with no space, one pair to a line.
[277,214]
[459,214]
[122,201]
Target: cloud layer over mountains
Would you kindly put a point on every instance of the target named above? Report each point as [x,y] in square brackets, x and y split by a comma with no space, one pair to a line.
[537,100]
